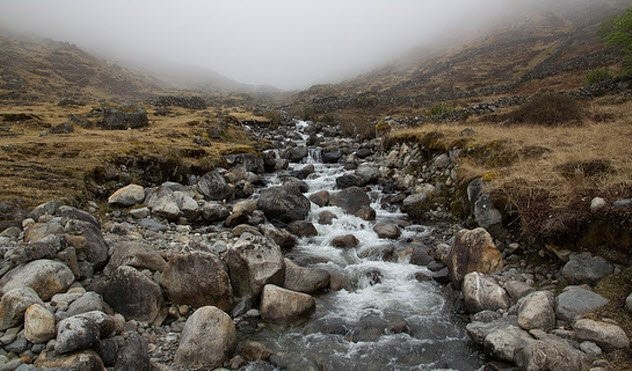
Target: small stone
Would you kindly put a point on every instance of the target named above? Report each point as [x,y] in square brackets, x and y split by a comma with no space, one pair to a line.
[347,241]
[597,203]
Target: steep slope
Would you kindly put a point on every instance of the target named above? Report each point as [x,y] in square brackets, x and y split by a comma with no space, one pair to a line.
[543,48]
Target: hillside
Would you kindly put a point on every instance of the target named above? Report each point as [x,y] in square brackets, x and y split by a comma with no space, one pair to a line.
[541,49]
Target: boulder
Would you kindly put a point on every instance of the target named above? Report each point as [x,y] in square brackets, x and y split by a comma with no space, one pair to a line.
[415,204]
[253,351]
[38,231]
[214,212]
[550,352]
[349,180]
[197,279]
[517,289]
[366,213]
[387,230]
[585,268]
[131,293]
[370,174]
[189,208]
[331,156]
[124,117]
[93,246]
[326,217]
[607,335]
[306,280]
[13,305]
[214,187]
[281,237]
[505,343]
[283,205]
[537,311]
[128,196]
[485,214]
[481,292]
[250,161]
[575,301]
[39,324]
[162,202]
[136,254]
[284,306]
[134,355]
[478,329]
[350,199]
[83,331]
[208,339]
[347,241]
[252,263]
[296,154]
[473,251]
[46,277]
[88,302]
[296,184]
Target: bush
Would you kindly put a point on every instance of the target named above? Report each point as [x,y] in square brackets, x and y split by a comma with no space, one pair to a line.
[617,33]
[439,109]
[599,75]
[275,117]
[549,109]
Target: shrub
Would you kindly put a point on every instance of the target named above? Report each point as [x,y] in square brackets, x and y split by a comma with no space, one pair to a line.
[596,76]
[617,33]
[439,109]
[275,117]
[549,109]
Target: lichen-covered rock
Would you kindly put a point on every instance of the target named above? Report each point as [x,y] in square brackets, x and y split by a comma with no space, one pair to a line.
[46,277]
[481,292]
[83,331]
[208,339]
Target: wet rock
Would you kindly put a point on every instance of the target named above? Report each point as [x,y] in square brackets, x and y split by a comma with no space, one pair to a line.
[283,238]
[585,268]
[13,305]
[387,230]
[320,198]
[473,251]
[302,228]
[370,174]
[366,213]
[131,293]
[284,306]
[87,360]
[420,256]
[350,199]
[39,324]
[128,196]
[208,339]
[481,292]
[135,254]
[326,217]
[306,280]
[304,172]
[536,311]
[253,351]
[133,355]
[607,335]
[349,180]
[253,263]
[331,156]
[283,205]
[296,154]
[214,187]
[46,277]
[197,279]
[575,301]
[83,331]
[347,241]
[296,184]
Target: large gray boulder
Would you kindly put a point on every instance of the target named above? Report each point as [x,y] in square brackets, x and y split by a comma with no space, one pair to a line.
[607,335]
[505,343]
[350,199]
[46,277]
[283,205]
[214,187]
[306,280]
[162,202]
[135,254]
[124,117]
[283,306]
[13,305]
[208,339]
[83,331]
[473,251]
[254,262]
[537,311]
[482,292]
[131,293]
[550,352]
[197,279]
[128,196]
[575,301]
[585,268]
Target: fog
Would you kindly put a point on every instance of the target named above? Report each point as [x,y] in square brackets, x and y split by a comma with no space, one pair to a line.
[289,44]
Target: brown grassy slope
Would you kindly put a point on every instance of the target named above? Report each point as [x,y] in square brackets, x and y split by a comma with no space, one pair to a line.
[38,168]
[48,70]
[548,175]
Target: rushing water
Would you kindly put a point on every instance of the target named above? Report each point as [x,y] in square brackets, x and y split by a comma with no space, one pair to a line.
[384,319]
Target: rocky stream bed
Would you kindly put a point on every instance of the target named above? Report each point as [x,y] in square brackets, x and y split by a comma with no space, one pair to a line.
[321,254]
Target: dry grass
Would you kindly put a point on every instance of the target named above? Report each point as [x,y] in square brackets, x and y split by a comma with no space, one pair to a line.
[539,169]
[38,168]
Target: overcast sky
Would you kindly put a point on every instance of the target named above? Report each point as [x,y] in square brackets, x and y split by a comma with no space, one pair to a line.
[285,43]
